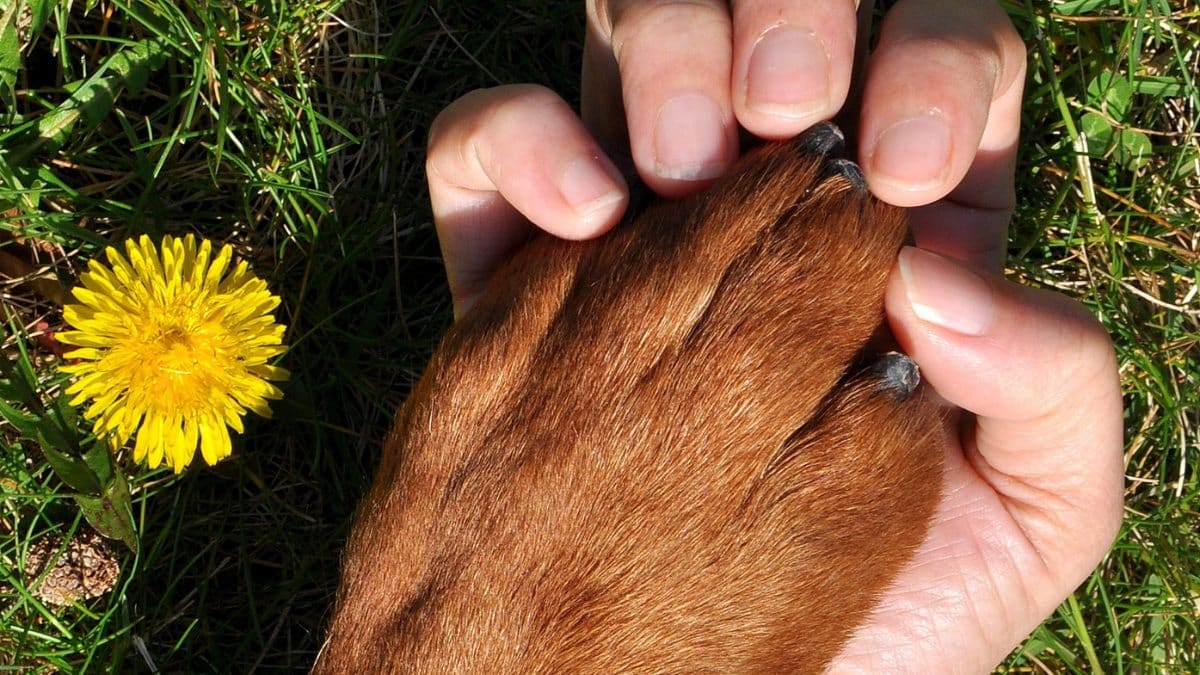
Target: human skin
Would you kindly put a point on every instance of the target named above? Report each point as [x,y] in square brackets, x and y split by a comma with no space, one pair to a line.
[1033,487]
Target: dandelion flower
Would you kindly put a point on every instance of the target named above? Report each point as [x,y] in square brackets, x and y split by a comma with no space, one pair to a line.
[173,343]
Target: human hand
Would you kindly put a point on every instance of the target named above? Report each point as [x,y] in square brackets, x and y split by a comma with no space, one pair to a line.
[1034,468]
[944,77]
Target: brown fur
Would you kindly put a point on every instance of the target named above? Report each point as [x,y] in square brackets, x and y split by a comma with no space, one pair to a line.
[654,452]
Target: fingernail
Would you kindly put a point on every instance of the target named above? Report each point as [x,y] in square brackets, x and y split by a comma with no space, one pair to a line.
[913,154]
[782,59]
[689,138]
[591,185]
[945,293]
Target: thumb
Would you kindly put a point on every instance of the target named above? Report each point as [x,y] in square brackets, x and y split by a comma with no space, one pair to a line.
[1039,374]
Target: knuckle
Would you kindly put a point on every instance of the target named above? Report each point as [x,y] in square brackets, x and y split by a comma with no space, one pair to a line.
[460,133]
[453,117]
[969,59]
[519,104]
[974,38]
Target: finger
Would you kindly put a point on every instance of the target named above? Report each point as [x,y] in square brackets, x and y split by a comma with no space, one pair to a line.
[944,85]
[1040,376]
[600,102]
[971,223]
[791,63]
[501,158]
[673,59]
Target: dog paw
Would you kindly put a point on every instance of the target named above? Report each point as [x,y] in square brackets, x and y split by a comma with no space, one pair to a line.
[674,448]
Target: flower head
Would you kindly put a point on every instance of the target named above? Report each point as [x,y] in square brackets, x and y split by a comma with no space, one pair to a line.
[173,343]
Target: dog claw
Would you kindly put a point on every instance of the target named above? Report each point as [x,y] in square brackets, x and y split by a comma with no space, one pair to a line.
[848,170]
[825,139]
[897,374]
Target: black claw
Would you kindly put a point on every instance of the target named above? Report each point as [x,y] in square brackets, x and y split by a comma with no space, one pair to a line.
[848,170]
[897,374]
[825,139]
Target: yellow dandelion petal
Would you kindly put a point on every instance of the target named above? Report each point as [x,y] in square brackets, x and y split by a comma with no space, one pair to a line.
[172,343]
[232,415]
[99,295]
[118,265]
[212,278]
[172,252]
[79,338]
[149,438]
[179,456]
[87,353]
[214,440]
[85,385]
[121,420]
[171,437]
[76,313]
[199,265]
[94,327]
[103,406]
[270,372]
[104,280]
[138,259]
[254,396]
[78,397]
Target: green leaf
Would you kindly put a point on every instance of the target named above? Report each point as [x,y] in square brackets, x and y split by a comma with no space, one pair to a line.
[1160,87]
[68,414]
[135,65]
[15,193]
[1098,131]
[92,99]
[18,385]
[8,392]
[1081,7]
[73,471]
[1112,94]
[111,513]
[99,460]
[53,431]
[39,14]
[1133,149]
[10,51]
[19,380]
[26,423]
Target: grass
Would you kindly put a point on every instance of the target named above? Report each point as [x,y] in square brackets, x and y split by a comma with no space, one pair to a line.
[295,132]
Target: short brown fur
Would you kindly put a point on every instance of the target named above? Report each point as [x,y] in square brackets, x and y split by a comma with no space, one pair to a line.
[654,452]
